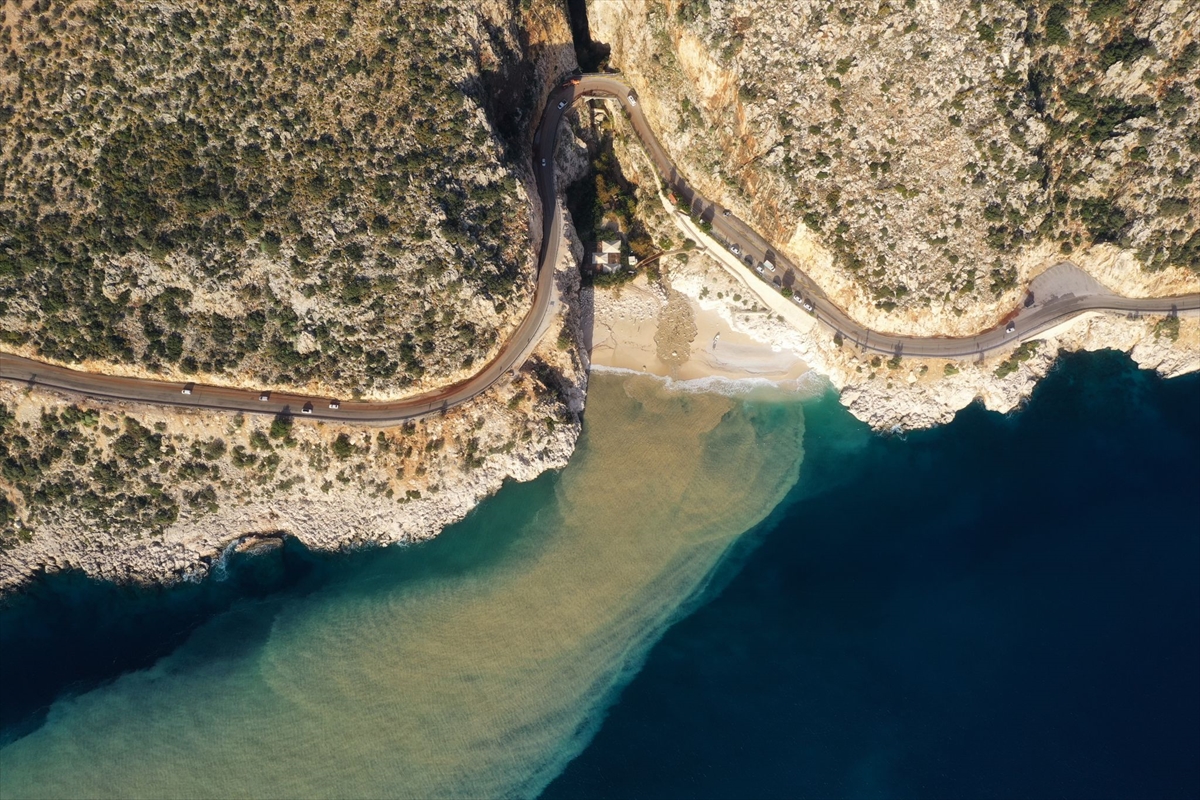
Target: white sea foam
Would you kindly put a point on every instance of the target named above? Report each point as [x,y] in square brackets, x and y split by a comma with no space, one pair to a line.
[809,385]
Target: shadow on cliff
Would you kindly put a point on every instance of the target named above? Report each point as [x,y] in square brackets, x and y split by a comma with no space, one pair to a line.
[592,56]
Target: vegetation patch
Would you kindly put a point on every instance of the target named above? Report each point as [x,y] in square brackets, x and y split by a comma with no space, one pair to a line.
[1019,356]
[261,187]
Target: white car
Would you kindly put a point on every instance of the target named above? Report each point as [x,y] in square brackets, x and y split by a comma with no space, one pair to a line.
[264,396]
[632,99]
[307,408]
[562,104]
[727,213]
[1011,328]
[769,265]
[543,162]
[335,405]
[188,389]
[733,248]
[807,304]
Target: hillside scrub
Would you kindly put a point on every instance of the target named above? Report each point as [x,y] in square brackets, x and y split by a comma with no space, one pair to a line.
[262,189]
[922,146]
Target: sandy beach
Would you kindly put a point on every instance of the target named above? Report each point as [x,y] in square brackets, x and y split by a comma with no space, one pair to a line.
[640,327]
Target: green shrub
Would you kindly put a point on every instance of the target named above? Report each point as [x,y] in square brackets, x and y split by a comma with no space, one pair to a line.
[342,447]
[1056,29]
[1167,326]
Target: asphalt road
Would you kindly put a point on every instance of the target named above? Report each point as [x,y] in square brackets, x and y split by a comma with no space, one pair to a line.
[754,249]
[514,352]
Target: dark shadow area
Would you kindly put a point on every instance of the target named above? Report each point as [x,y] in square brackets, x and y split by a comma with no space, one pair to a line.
[592,56]
[67,633]
[511,93]
[604,190]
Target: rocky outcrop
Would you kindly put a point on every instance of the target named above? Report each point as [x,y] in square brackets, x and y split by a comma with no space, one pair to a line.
[146,495]
[924,161]
[925,165]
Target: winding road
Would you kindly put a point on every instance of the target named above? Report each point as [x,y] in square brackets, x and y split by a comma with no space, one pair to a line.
[512,354]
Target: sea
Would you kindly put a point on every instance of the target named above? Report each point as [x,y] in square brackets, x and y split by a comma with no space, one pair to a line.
[724,594]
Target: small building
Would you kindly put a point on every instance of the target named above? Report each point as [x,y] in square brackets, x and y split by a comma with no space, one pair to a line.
[607,257]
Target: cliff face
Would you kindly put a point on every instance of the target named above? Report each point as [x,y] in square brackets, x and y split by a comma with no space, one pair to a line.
[136,494]
[263,193]
[924,161]
[886,393]
[334,197]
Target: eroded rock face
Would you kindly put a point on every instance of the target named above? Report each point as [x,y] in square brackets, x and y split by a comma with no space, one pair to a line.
[922,161]
[135,494]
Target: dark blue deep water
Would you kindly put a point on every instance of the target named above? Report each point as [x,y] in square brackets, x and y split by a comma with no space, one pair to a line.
[1007,606]
[1002,607]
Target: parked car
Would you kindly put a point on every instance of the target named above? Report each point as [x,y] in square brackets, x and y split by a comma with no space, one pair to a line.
[1011,327]
[264,396]
[733,248]
[632,99]
[307,408]
[770,267]
[335,405]
[188,388]
[807,304]
[727,213]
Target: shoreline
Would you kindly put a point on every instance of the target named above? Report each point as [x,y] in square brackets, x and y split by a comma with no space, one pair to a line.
[640,328]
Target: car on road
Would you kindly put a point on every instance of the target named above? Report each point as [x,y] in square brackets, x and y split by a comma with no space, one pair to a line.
[543,162]
[562,104]
[1011,327]
[335,405]
[264,396]
[307,408]
[727,213]
[632,99]
[188,389]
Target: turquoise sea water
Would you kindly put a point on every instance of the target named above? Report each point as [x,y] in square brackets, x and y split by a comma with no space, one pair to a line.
[475,665]
[1002,607]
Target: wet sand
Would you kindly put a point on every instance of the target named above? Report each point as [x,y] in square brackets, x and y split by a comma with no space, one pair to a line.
[637,328]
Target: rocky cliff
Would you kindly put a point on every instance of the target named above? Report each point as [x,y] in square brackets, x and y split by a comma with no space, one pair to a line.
[264,193]
[136,494]
[887,393]
[923,161]
[324,196]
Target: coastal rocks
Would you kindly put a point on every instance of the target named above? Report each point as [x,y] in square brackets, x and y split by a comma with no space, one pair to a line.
[922,164]
[917,395]
[172,490]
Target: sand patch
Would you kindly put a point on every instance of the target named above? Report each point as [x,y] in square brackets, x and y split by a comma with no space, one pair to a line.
[644,328]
